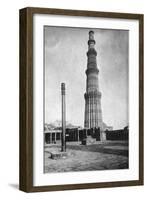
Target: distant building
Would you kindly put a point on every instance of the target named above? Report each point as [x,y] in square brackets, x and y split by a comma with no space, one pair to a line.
[105,127]
[53,131]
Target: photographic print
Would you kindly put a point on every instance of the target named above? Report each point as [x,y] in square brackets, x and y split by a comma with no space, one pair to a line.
[86,123]
[81,99]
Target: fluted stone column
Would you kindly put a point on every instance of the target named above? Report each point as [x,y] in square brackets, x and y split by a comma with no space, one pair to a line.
[90,112]
[63,144]
[85,119]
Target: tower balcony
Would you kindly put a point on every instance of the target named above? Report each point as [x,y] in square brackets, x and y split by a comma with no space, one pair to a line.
[91,41]
[92,70]
[96,94]
[91,51]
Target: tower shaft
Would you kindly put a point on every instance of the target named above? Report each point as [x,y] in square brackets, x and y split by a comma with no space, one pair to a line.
[93,111]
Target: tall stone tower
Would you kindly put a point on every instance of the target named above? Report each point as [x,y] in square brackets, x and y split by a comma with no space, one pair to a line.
[93,111]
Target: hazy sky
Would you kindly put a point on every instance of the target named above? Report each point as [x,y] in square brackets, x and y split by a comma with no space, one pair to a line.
[66,61]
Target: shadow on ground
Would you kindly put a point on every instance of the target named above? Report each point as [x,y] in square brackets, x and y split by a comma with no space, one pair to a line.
[14,186]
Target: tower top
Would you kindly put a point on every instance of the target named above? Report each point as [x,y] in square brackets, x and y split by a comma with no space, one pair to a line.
[91,35]
[91,44]
[63,85]
[63,88]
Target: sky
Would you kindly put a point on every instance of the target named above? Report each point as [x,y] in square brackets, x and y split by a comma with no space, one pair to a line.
[65,60]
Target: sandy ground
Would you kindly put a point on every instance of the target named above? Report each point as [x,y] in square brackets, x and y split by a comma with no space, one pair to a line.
[100,156]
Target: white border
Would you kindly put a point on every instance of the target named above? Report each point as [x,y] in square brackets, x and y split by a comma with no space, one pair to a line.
[39,178]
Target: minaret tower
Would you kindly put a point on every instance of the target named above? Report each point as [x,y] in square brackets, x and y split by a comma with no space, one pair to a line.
[93,111]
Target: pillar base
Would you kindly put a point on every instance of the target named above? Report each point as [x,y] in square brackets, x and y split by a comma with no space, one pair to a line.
[103,136]
[59,155]
[88,141]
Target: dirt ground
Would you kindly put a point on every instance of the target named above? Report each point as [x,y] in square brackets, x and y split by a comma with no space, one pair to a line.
[99,156]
